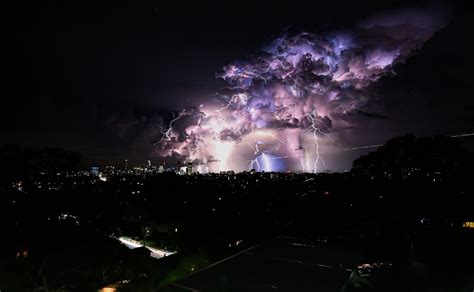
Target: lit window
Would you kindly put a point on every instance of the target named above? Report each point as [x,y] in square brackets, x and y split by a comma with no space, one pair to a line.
[468,224]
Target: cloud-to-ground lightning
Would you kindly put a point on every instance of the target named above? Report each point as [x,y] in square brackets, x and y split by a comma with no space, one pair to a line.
[315,132]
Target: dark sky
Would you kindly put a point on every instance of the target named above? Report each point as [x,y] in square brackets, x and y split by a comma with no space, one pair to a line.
[68,66]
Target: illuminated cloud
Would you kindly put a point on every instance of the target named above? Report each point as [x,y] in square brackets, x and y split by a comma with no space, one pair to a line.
[297,93]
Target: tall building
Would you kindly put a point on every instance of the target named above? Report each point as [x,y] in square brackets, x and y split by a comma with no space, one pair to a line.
[161,168]
[182,170]
[189,169]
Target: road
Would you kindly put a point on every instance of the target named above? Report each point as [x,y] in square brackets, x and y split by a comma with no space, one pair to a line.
[155,252]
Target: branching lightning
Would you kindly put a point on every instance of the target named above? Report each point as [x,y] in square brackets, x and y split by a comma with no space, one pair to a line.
[167,134]
[315,131]
[242,97]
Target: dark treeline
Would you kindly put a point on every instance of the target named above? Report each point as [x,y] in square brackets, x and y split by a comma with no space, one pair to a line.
[17,161]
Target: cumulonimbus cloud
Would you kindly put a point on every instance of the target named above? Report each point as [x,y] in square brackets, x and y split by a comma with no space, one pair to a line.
[296,93]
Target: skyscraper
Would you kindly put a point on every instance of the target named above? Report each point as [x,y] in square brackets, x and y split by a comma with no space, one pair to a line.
[189,169]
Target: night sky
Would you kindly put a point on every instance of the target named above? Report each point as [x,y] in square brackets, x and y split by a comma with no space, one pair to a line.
[95,77]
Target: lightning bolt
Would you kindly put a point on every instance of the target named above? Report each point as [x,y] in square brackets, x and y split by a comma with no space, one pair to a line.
[166,134]
[255,149]
[461,135]
[266,162]
[254,162]
[315,131]
[379,145]
[241,96]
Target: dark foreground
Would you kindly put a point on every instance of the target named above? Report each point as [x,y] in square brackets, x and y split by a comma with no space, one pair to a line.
[281,264]
[400,220]
[339,265]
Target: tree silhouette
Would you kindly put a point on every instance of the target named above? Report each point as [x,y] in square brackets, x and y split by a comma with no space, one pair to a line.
[407,155]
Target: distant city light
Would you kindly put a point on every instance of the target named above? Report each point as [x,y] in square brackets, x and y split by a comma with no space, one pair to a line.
[468,225]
